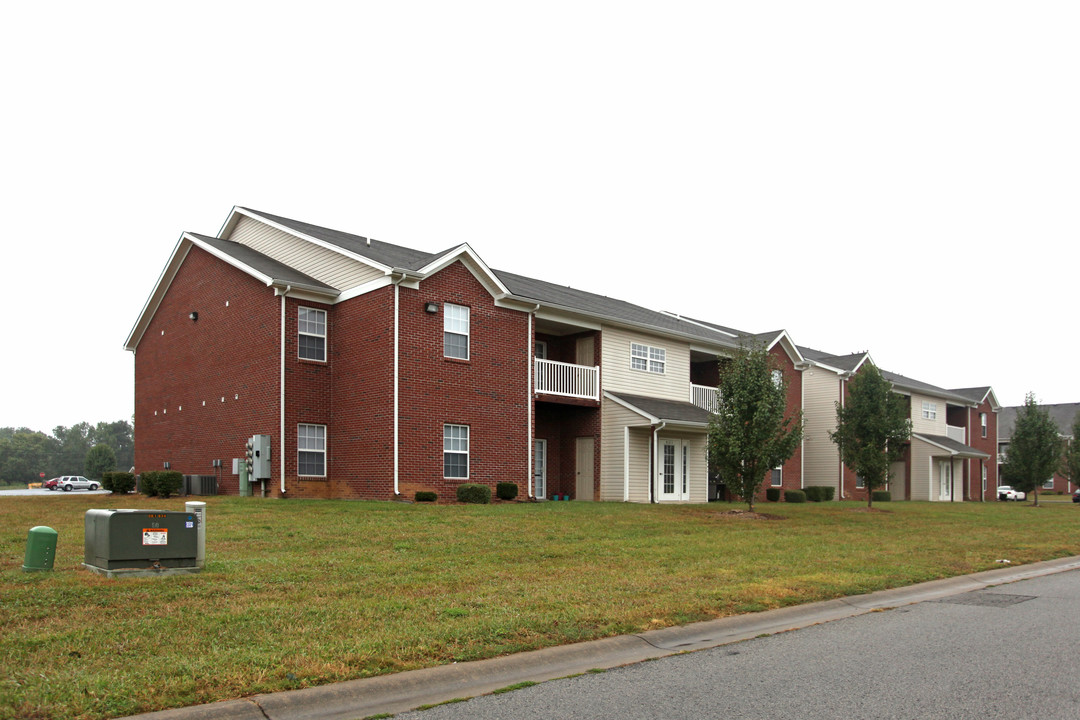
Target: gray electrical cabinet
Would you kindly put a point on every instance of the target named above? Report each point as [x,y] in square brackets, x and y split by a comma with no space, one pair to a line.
[141,542]
[260,467]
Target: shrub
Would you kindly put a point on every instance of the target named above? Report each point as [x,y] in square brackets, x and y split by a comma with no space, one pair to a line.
[772,494]
[506,490]
[118,483]
[161,483]
[425,496]
[474,493]
[881,496]
[819,493]
[794,496]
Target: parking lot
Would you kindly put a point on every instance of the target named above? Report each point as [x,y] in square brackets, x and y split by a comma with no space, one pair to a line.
[38,491]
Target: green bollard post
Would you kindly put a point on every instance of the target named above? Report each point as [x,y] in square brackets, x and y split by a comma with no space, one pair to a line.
[40,549]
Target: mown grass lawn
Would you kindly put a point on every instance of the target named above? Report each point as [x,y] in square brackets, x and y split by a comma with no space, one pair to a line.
[300,593]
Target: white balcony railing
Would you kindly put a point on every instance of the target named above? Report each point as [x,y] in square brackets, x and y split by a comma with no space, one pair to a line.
[567,379]
[958,434]
[704,397]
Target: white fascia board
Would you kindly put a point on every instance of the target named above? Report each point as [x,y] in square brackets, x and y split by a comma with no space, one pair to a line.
[653,420]
[830,368]
[789,347]
[313,292]
[176,258]
[476,266]
[994,404]
[932,443]
[365,288]
[314,241]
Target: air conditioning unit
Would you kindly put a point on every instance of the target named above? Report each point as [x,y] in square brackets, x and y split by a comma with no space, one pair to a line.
[141,542]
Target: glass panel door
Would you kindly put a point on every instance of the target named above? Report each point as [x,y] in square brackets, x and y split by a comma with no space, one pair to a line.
[540,469]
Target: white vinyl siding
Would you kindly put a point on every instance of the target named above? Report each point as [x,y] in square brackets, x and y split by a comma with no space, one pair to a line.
[924,470]
[614,418]
[673,384]
[327,266]
[928,426]
[821,458]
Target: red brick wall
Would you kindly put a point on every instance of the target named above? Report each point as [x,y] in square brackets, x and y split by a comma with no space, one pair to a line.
[488,392]
[792,472]
[203,387]
[973,468]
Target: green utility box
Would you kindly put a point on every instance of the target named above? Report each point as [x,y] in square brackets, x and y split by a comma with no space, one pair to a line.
[141,542]
[40,549]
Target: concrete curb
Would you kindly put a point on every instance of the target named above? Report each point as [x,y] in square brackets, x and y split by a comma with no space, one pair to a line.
[404,691]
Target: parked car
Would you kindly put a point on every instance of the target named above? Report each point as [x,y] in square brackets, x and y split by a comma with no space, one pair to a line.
[51,484]
[1006,492]
[67,483]
[1076,496]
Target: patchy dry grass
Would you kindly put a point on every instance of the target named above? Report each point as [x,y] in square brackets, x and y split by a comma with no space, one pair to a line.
[300,593]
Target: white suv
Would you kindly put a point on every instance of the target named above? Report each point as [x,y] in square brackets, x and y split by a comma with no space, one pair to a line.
[67,483]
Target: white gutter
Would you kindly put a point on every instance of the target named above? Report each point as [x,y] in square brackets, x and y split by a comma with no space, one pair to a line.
[281,399]
[626,464]
[841,493]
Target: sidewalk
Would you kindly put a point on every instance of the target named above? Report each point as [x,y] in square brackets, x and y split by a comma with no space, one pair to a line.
[356,699]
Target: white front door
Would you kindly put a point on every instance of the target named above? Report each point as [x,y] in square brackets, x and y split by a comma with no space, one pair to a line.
[673,470]
[586,456]
[945,476]
[540,469]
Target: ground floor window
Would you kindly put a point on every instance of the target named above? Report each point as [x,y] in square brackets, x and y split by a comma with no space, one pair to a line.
[777,477]
[1049,484]
[860,483]
[456,451]
[311,450]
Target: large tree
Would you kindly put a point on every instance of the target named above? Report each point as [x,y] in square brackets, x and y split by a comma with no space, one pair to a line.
[100,460]
[751,431]
[1034,448]
[24,455]
[871,428]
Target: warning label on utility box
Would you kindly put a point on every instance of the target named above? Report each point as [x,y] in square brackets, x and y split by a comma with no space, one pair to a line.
[155,536]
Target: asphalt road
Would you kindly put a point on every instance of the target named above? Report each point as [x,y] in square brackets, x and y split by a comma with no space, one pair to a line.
[1009,651]
[38,491]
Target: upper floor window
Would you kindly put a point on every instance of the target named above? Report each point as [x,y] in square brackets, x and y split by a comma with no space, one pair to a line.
[929,410]
[982,421]
[456,331]
[777,377]
[311,326]
[311,450]
[647,359]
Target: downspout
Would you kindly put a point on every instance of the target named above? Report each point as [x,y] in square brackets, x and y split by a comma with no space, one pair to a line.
[397,329]
[281,399]
[529,403]
[841,493]
[653,493]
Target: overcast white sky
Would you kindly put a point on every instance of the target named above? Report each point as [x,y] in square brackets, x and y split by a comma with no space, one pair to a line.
[894,177]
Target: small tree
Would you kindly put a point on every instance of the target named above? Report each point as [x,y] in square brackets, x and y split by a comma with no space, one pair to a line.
[871,428]
[100,460]
[751,431]
[1034,448]
[1070,465]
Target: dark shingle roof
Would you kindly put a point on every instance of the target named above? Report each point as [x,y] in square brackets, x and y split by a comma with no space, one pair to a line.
[906,383]
[842,362]
[592,304]
[264,264]
[1063,416]
[956,447]
[670,410]
[975,394]
[377,250]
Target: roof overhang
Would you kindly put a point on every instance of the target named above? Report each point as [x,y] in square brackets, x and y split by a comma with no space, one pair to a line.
[951,447]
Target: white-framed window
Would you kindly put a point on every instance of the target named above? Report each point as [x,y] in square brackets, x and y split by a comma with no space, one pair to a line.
[647,358]
[860,484]
[456,451]
[540,350]
[311,450]
[984,478]
[1049,484]
[777,377]
[982,421]
[777,478]
[929,410]
[311,327]
[455,331]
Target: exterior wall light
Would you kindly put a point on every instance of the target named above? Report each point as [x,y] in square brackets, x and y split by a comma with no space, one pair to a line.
[431,307]
[193,315]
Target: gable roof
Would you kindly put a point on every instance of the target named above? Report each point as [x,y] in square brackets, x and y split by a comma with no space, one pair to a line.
[978,395]
[953,447]
[846,363]
[657,410]
[1063,416]
[259,265]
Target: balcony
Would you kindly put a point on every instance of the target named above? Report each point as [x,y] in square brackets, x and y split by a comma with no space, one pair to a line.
[704,397]
[567,379]
[958,434]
